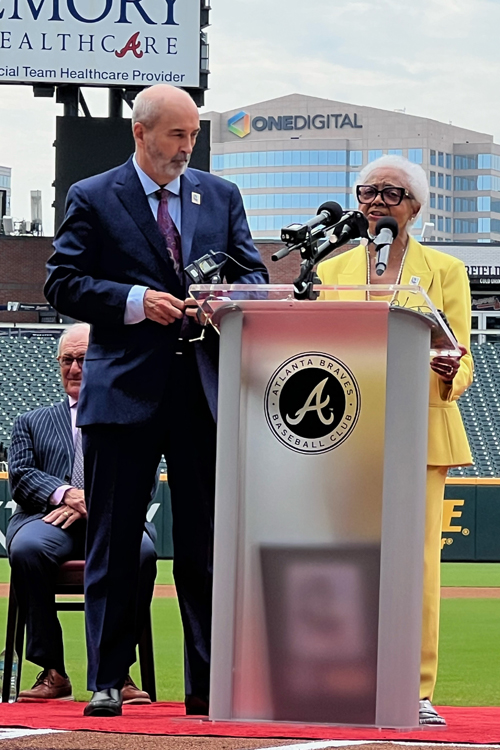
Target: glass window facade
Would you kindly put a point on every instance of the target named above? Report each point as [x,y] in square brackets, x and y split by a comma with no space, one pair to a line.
[484,225]
[465,162]
[495,206]
[288,179]
[440,203]
[432,158]
[465,205]
[483,203]
[432,200]
[395,152]
[448,161]
[271,222]
[465,226]
[416,155]
[440,224]
[432,179]
[488,182]
[447,203]
[278,159]
[448,182]
[255,201]
[488,161]
[481,161]
[440,159]
[447,222]
[355,158]
[4,181]
[440,180]
[375,153]
[465,183]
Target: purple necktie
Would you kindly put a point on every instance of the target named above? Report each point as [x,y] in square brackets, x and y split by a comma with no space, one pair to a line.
[169,230]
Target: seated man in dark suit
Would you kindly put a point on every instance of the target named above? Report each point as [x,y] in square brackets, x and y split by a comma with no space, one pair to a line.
[48,527]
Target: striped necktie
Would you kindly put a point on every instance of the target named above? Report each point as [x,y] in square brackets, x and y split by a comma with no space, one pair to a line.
[77,473]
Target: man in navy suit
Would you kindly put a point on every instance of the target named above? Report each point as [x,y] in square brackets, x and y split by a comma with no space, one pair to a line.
[48,527]
[148,388]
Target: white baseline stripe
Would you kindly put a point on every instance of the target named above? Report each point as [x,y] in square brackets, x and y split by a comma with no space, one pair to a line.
[348,743]
[12,734]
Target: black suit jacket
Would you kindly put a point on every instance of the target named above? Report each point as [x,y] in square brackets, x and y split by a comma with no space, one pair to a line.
[110,241]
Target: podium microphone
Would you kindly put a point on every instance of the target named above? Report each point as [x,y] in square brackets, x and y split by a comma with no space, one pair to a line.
[352,225]
[386,232]
[328,213]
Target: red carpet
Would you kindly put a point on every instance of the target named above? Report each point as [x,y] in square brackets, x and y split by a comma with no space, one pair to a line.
[472,725]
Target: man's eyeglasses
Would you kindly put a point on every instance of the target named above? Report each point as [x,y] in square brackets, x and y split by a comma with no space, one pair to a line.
[66,361]
[392,196]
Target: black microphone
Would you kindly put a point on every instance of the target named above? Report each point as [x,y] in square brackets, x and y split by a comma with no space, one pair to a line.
[353,224]
[327,214]
[386,232]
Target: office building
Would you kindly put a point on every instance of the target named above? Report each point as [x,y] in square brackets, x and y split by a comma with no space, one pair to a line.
[289,155]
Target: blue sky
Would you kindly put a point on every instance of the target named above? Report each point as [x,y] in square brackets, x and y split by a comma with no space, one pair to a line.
[434,58]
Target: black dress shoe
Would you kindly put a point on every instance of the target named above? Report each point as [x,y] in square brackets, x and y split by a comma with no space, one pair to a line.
[196,705]
[105,703]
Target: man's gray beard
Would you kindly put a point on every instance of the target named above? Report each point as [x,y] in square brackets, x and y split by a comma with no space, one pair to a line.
[166,168]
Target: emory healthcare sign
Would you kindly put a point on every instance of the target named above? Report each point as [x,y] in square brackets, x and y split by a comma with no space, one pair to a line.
[100,42]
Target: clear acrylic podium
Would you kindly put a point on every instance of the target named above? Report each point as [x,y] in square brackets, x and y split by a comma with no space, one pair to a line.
[320,502]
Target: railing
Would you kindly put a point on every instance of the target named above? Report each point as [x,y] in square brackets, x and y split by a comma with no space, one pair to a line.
[484,335]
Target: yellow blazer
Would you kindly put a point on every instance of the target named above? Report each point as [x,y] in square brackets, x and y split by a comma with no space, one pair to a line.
[445,280]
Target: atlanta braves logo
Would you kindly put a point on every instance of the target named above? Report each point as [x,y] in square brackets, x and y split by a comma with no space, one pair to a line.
[312,403]
[133,45]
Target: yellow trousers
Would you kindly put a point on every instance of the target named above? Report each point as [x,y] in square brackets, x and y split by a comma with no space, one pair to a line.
[436,476]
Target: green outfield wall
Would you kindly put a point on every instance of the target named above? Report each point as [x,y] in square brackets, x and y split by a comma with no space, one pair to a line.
[471,519]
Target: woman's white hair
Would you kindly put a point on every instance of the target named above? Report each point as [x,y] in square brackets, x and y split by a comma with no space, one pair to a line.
[413,177]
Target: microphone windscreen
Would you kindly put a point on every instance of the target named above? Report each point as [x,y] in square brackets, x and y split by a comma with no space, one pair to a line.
[334,209]
[387,222]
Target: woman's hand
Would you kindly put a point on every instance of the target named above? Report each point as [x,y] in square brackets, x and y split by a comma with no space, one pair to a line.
[447,367]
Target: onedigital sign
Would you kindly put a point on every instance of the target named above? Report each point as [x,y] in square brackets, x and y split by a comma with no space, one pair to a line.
[241,124]
[100,42]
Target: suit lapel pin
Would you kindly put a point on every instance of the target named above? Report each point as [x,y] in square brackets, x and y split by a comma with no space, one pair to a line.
[415,280]
[196,198]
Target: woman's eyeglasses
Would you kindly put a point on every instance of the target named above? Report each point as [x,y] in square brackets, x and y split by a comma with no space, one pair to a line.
[67,361]
[392,196]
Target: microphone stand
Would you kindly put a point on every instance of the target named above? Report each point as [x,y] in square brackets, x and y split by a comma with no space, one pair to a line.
[303,286]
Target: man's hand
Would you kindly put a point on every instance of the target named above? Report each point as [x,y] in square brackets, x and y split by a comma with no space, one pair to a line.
[75,499]
[447,367]
[63,516]
[163,308]
[191,309]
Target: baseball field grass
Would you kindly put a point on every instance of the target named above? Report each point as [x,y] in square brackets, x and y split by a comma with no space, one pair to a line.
[469,670]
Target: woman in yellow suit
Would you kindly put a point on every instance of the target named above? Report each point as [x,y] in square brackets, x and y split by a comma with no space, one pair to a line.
[393,186]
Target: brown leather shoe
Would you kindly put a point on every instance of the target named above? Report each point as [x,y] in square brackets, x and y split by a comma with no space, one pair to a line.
[49,685]
[132,694]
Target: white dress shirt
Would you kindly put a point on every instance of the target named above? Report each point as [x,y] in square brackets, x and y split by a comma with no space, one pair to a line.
[134,310]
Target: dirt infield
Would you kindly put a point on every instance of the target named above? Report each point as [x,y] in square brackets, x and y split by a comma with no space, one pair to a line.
[470,592]
[162,591]
[108,741]
[167,591]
